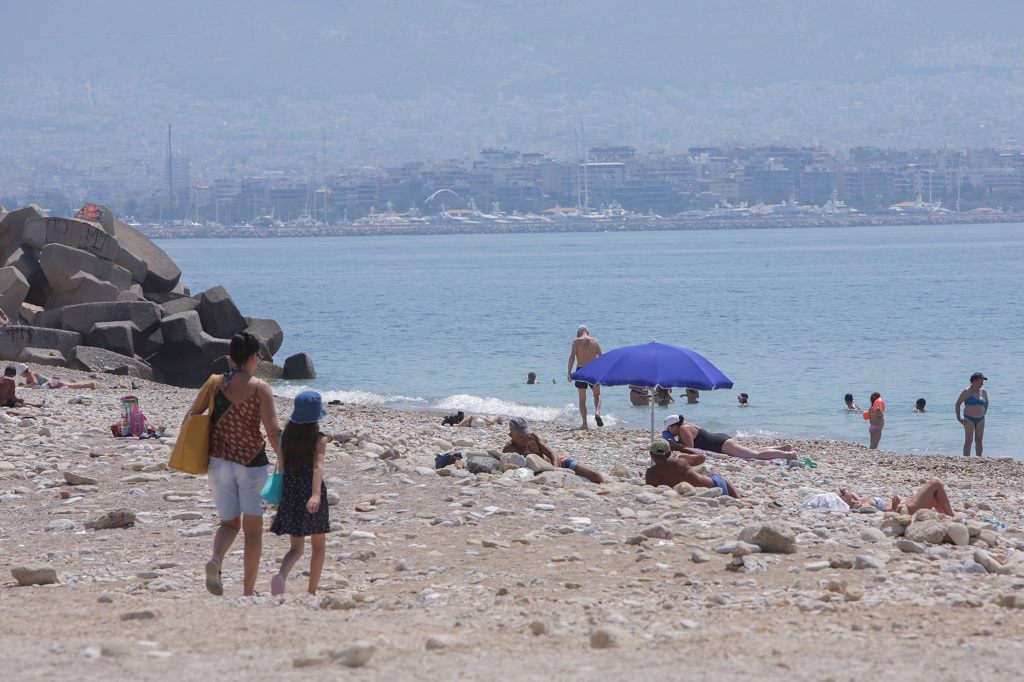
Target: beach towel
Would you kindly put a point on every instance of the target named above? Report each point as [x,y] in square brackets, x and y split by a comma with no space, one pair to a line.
[829,501]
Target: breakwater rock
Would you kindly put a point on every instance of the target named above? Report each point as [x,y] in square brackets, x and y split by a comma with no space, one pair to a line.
[92,293]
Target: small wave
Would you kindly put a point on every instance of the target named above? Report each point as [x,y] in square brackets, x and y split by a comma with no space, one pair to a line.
[472,404]
[354,397]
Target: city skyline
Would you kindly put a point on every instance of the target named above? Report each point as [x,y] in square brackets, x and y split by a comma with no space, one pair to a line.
[256,90]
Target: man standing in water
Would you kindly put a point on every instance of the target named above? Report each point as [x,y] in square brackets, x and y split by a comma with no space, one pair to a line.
[584,349]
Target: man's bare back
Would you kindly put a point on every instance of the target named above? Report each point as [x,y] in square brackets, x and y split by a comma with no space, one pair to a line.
[585,349]
[678,468]
[7,394]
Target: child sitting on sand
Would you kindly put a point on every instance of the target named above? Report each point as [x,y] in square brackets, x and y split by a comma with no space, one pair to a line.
[303,507]
[8,390]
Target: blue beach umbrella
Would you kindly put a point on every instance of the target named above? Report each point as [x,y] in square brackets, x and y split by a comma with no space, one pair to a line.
[654,365]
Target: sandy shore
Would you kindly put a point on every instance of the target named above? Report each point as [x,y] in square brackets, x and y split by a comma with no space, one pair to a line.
[460,576]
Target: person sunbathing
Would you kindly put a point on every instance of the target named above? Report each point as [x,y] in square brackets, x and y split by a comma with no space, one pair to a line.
[672,469]
[932,495]
[37,380]
[8,390]
[525,442]
[480,420]
[682,436]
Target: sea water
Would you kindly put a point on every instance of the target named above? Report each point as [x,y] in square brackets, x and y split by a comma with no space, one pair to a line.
[795,317]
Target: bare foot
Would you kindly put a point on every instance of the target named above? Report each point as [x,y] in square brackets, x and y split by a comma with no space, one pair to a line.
[788,447]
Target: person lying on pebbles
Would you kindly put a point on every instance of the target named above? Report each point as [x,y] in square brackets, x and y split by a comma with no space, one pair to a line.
[932,495]
[37,380]
[526,442]
[672,469]
[682,435]
[480,420]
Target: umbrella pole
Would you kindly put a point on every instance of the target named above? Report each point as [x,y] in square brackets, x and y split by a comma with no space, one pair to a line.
[652,416]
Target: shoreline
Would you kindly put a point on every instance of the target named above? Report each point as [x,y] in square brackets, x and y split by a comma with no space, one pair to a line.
[445,574]
[524,227]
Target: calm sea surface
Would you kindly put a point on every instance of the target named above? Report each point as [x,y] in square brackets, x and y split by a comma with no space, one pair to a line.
[796,318]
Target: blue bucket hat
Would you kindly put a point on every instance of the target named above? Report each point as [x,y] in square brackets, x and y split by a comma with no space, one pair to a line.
[308,409]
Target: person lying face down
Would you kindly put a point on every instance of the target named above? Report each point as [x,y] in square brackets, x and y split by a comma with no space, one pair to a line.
[525,442]
[672,469]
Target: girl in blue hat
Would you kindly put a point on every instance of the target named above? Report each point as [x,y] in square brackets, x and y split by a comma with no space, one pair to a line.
[303,507]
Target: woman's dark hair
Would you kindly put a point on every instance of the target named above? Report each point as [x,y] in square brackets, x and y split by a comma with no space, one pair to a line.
[921,402]
[243,345]
[298,445]
[848,397]
[875,396]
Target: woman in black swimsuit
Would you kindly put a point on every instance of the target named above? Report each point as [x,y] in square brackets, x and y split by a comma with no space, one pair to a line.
[692,436]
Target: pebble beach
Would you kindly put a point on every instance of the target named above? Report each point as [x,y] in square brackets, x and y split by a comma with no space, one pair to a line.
[446,574]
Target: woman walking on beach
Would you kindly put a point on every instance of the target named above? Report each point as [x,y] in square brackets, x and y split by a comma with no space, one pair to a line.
[238,459]
[974,399]
[876,417]
[303,507]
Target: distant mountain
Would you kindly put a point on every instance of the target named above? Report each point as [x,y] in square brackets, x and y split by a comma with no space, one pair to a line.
[308,49]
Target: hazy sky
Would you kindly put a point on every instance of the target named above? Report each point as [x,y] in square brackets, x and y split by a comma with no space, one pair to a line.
[255,84]
[313,48]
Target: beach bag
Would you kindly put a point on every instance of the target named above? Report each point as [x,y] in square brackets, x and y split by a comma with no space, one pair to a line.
[192,449]
[271,492]
[453,419]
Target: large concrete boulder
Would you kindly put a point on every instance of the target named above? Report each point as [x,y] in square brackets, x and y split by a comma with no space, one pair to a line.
[89,289]
[182,304]
[188,363]
[15,339]
[145,316]
[162,274]
[64,266]
[13,289]
[182,328]
[299,366]
[268,331]
[12,225]
[78,234]
[42,356]
[131,294]
[89,359]
[27,263]
[114,336]
[36,316]
[97,213]
[219,314]
[267,371]
[187,352]
[132,264]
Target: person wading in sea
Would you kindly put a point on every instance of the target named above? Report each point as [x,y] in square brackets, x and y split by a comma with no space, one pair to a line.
[585,348]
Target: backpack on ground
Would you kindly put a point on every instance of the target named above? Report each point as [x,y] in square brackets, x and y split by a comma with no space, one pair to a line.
[133,421]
